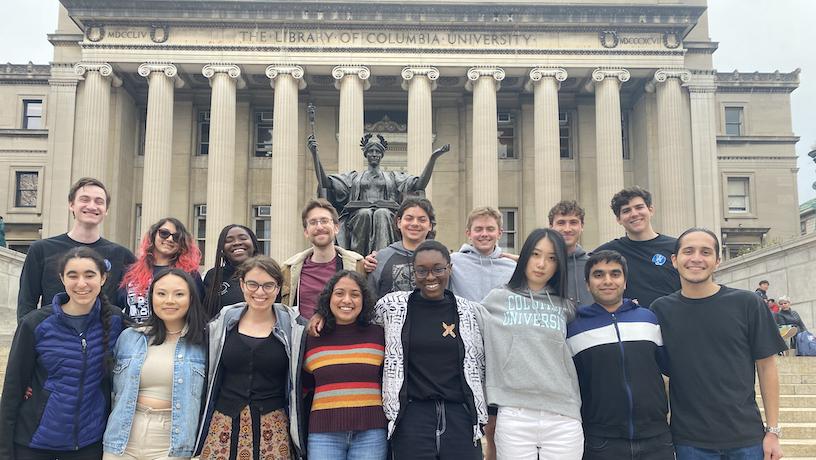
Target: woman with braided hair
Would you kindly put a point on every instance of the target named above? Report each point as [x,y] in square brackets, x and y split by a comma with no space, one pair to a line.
[369,199]
[56,395]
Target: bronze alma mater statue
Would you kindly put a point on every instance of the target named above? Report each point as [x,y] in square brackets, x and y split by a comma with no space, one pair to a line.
[368,200]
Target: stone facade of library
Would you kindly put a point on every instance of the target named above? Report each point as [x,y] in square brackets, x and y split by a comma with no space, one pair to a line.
[198,110]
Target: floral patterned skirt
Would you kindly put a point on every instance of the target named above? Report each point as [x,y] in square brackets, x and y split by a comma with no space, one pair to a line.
[249,436]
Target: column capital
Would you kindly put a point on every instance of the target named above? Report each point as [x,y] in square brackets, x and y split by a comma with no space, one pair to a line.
[232,71]
[362,72]
[601,73]
[295,71]
[663,75]
[104,69]
[475,73]
[541,72]
[169,70]
[409,72]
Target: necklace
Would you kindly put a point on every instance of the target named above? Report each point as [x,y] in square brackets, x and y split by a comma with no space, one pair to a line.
[175,332]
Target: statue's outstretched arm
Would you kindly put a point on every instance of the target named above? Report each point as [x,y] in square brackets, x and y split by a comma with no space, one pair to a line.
[322,179]
[425,178]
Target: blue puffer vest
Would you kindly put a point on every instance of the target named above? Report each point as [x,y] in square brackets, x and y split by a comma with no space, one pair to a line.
[75,395]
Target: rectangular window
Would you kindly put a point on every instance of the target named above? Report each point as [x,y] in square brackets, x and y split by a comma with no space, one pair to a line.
[733,121]
[565,134]
[201,227]
[506,136]
[263,133]
[25,189]
[263,227]
[738,196]
[33,114]
[625,134]
[137,226]
[508,238]
[203,132]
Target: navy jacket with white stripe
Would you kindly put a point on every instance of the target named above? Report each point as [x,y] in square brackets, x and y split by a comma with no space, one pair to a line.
[619,357]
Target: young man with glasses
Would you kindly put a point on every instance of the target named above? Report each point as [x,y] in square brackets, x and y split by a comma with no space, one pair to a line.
[88,201]
[305,273]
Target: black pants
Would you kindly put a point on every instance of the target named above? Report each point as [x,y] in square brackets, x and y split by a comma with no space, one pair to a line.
[656,448]
[435,430]
[92,452]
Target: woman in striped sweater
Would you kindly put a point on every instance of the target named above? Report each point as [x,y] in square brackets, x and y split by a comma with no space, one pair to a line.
[340,375]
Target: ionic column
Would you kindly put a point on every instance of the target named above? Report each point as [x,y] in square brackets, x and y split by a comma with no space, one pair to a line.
[224,80]
[352,81]
[419,82]
[672,157]
[286,80]
[545,82]
[707,198]
[484,82]
[94,119]
[162,78]
[609,145]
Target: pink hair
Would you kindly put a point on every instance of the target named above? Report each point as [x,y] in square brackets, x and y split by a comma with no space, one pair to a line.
[140,273]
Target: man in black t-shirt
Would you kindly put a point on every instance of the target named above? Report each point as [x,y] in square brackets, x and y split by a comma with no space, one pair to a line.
[715,338]
[88,201]
[651,274]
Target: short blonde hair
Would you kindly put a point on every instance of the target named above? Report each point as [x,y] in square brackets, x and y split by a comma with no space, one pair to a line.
[484,211]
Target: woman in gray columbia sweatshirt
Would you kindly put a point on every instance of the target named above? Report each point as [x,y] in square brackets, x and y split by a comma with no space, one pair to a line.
[530,374]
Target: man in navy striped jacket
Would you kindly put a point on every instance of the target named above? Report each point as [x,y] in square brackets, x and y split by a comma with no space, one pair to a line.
[618,353]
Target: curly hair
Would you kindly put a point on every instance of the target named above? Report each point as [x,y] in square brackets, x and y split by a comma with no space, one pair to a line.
[324,301]
[187,257]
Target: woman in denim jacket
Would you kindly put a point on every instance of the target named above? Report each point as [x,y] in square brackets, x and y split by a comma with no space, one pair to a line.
[159,375]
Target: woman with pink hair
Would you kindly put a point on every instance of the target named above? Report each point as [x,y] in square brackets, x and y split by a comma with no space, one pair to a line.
[167,244]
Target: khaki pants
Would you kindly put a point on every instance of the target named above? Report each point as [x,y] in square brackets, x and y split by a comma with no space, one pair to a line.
[149,436]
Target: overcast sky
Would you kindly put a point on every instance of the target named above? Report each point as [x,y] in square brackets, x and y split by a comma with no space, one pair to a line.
[763,35]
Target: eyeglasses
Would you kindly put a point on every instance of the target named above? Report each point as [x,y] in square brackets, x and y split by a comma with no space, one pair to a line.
[164,234]
[424,272]
[267,287]
[323,222]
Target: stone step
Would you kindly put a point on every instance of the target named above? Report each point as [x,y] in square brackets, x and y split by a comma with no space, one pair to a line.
[793,389]
[796,378]
[799,430]
[808,401]
[797,365]
[796,448]
[794,414]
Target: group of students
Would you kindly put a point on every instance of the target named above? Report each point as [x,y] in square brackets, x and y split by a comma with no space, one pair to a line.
[413,352]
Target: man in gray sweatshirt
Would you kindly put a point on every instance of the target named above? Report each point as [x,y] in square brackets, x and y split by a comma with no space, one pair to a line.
[567,218]
[478,268]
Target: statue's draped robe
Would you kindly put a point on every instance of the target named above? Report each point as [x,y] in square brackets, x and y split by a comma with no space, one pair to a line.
[368,203]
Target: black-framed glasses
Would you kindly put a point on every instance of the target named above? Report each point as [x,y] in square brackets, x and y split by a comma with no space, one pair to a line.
[424,272]
[267,287]
[164,234]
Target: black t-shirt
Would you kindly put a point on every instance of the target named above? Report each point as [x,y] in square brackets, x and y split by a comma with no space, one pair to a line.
[230,290]
[254,372]
[712,345]
[651,273]
[433,356]
[40,282]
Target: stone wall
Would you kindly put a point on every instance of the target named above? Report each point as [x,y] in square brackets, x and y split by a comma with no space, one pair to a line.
[790,267]
[11,264]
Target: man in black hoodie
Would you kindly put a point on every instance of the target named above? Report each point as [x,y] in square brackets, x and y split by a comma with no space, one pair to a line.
[567,218]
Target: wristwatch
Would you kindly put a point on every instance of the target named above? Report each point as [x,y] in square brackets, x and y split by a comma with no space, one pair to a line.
[775,430]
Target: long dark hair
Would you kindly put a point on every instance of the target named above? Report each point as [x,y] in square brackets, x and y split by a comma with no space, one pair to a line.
[558,282]
[195,317]
[83,252]
[213,297]
[324,301]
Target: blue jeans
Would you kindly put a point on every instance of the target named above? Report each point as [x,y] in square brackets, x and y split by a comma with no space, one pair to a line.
[349,445]
[754,452]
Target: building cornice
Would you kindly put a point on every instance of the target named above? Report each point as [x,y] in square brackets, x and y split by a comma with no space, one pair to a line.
[757,139]
[757,82]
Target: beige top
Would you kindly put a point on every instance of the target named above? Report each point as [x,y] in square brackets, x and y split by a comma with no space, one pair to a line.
[157,372]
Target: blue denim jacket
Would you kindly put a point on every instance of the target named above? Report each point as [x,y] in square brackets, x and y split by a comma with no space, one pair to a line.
[188,384]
